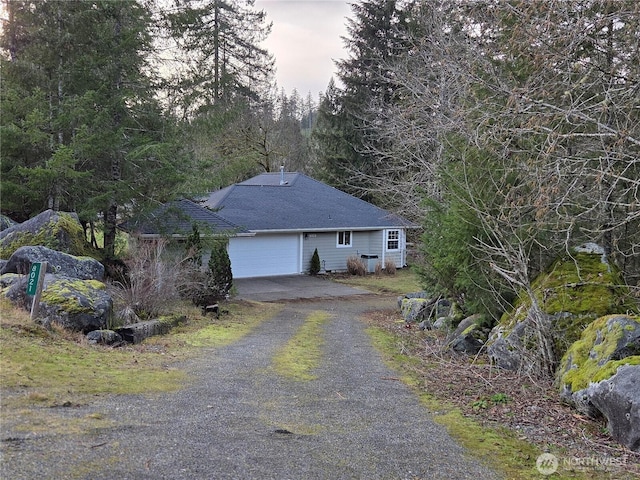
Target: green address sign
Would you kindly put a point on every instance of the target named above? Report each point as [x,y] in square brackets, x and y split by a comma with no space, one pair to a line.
[32,282]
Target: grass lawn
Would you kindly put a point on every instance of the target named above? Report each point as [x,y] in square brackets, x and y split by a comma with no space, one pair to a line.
[403,281]
[53,367]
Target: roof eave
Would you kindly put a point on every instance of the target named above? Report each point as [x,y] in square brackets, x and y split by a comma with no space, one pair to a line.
[178,236]
[331,229]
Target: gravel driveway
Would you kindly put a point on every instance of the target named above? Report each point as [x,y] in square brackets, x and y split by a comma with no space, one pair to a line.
[241,420]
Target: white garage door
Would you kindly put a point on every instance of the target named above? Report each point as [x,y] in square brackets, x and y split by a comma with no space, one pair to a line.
[264,255]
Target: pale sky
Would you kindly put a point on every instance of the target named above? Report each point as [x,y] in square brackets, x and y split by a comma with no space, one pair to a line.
[305,40]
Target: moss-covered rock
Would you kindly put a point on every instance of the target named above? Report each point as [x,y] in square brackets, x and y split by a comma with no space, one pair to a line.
[572,293]
[137,332]
[79,305]
[600,375]
[415,309]
[606,344]
[584,286]
[56,230]
[469,336]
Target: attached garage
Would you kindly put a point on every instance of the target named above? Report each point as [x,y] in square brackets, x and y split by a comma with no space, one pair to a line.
[265,255]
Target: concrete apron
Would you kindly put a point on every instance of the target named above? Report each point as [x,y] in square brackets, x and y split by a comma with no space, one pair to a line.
[291,287]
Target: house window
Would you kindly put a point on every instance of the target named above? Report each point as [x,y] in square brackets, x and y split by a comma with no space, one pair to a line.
[344,239]
[393,239]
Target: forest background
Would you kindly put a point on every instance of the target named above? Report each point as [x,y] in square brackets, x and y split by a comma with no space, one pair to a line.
[510,130]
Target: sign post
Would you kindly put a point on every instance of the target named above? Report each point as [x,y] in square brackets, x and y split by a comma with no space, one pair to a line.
[34,285]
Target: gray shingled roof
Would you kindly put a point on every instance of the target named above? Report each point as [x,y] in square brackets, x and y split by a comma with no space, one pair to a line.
[262,203]
[177,218]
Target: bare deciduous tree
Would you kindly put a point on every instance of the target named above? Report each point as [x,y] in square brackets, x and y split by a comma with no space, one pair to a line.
[527,113]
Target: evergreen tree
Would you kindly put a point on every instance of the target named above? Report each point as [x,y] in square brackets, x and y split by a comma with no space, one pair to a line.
[377,34]
[220,60]
[76,83]
[220,279]
[332,140]
[38,169]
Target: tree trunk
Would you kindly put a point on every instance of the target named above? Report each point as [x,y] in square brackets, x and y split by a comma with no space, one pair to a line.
[110,224]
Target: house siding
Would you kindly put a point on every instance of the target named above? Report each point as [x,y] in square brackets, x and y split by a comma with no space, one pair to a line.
[334,258]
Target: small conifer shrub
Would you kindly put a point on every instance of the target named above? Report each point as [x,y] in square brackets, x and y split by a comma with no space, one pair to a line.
[314,268]
[193,247]
[220,279]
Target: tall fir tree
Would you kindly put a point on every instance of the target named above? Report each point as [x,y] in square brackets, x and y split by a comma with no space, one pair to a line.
[76,84]
[220,60]
[377,33]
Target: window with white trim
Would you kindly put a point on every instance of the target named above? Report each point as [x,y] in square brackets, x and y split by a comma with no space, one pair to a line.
[344,239]
[393,239]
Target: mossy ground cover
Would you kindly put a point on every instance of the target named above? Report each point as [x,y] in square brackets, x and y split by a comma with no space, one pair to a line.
[302,353]
[209,332]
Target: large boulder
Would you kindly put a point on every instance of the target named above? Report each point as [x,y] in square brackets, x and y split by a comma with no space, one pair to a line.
[618,399]
[85,268]
[571,294]
[56,230]
[600,375]
[415,309]
[469,336]
[514,346]
[78,305]
[73,295]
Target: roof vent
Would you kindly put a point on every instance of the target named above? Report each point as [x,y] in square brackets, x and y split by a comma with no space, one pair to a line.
[282,182]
